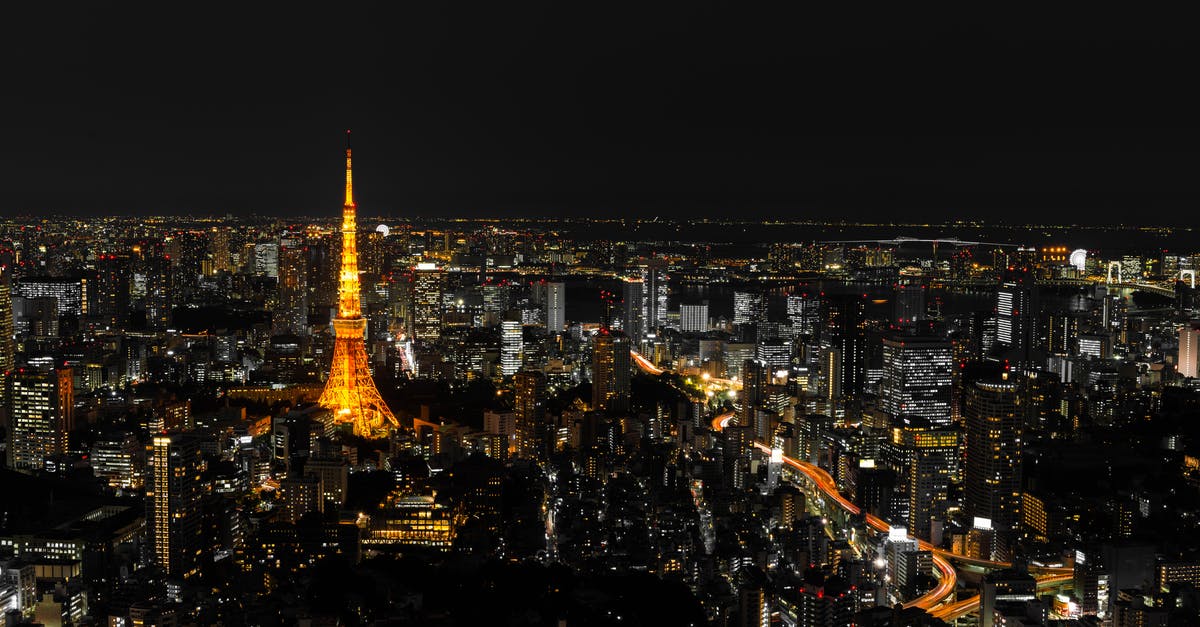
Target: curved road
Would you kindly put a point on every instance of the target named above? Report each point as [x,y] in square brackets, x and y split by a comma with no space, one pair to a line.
[948,578]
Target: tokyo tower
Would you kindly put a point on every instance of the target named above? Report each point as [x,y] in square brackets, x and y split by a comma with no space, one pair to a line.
[350,391]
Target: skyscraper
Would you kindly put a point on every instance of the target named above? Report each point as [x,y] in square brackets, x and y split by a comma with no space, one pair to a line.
[350,391]
[633,316]
[530,409]
[41,415]
[656,295]
[845,319]
[173,513]
[610,371]
[7,347]
[293,288]
[917,373]
[1014,320]
[553,298]
[748,307]
[428,283]
[511,343]
[693,318]
[1188,361]
[992,476]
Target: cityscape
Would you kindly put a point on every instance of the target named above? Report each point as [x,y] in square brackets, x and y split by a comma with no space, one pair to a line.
[690,316]
[340,420]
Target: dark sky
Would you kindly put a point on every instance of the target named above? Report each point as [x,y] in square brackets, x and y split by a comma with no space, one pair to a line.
[600,108]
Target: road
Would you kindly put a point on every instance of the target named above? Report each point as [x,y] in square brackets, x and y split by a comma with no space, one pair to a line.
[947,575]
[951,611]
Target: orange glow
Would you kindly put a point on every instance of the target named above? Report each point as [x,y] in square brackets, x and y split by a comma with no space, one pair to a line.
[350,391]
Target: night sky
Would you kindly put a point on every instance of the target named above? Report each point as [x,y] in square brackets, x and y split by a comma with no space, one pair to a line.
[601,109]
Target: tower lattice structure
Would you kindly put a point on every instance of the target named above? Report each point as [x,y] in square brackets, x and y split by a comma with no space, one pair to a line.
[350,391]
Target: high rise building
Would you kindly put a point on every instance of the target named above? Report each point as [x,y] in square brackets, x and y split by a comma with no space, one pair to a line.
[1014,320]
[1188,360]
[917,377]
[748,307]
[173,492]
[610,371]
[70,295]
[845,319]
[293,289]
[300,495]
[111,302]
[218,250]
[931,454]
[552,297]
[511,343]
[529,408]
[755,377]
[992,474]
[8,355]
[350,391]
[654,277]
[804,313]
[908,299]
[633,315]
[428,284]
[41,414]
[693,318]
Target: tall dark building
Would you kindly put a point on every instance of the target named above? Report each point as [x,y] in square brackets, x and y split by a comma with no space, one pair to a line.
[1015,333]
[530,409]
[173,514]
[610,371]
[992,474]
[633,321]
[845,321]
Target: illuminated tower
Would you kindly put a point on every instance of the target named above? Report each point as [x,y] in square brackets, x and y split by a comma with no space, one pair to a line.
[350,391]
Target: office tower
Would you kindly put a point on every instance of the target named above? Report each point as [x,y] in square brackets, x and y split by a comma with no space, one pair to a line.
[908,301]
[218,250]
[70,295]
[654,277]
[300,495]
[511,343]
[776,354]
[931,455]
[906,562]
[748,307]
[157,290]
[292,317]
[552,296]
[117,458]
[8,355]
[110,306]
[804,313]
[992,474]
[350,391]
[266,259]
[173,492]
[1188,360]
[334,476]
[917,373]
[428,284]
[845,320]
[529,409]
[610,371]
[1014,320]
[693,318]
[41,413]
[755,377]
[633,316]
